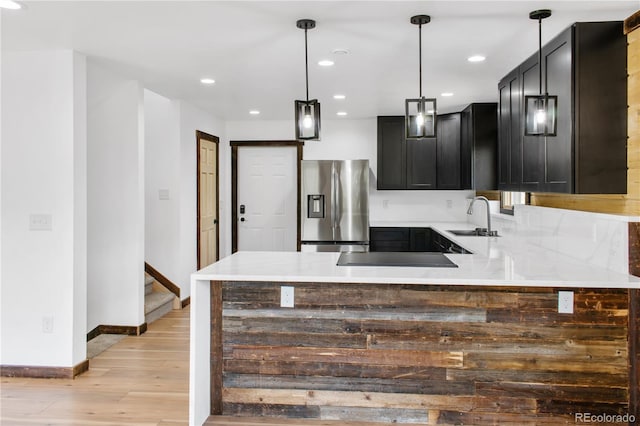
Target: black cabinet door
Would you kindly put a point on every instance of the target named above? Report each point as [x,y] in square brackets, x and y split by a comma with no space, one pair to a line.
[557,76]
[532,146]
[420,239]
[421,163]
[478,147]
[448,151]
[391,153]
[388,239]
[509,133]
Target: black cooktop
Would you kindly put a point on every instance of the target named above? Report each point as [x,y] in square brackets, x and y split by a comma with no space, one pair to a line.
[379,258]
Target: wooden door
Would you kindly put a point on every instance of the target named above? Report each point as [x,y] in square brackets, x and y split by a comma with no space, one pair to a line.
[267,199]
[208,230]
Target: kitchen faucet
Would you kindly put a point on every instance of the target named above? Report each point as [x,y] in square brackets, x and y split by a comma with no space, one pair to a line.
[488,231]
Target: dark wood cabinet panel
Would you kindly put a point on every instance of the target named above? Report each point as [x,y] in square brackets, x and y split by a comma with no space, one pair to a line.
[509,134]
[585,67]
[532,146]
[421,164]
[478,147]
[420,239]
[391,153]
[439,163]
[448,151]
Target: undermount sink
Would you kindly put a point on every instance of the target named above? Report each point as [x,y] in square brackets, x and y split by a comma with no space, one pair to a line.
[478,232]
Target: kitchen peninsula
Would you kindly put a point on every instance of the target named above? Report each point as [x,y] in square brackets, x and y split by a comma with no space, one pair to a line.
[480,343]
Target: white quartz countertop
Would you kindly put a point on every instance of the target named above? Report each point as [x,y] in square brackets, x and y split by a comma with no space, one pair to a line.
[504,260]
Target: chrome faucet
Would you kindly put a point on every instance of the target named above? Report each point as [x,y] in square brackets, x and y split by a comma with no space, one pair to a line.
[481,231]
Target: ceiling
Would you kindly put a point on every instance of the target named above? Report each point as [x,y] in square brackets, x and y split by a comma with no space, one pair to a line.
[256,54]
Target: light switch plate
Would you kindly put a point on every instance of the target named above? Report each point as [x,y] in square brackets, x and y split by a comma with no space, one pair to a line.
[286,296]
[40,222]
[565,302]
[163,194]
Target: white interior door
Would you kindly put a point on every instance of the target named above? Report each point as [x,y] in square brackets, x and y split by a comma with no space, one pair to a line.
[267,198]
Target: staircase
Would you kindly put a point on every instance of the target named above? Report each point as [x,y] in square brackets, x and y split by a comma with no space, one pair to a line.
[158,301]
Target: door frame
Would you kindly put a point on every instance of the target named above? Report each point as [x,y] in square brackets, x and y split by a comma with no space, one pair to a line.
[216,141]
[234,183]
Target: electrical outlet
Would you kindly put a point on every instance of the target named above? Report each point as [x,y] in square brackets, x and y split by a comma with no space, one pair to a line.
[286,296]
[449,204]
[385,204]
[565,302]
[47,324]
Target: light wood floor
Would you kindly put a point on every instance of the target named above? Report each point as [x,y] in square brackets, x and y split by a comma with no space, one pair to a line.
[139,381]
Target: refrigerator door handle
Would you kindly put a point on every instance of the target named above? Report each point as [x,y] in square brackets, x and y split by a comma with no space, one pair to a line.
[334,198]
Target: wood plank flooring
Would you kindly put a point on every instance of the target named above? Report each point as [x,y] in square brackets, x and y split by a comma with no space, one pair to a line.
[141,380]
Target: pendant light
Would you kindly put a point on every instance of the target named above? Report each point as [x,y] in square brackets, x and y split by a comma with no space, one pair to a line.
[540,110]
[420,113]
[307,112]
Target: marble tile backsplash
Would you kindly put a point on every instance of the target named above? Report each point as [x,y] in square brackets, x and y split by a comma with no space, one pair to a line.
[599,239]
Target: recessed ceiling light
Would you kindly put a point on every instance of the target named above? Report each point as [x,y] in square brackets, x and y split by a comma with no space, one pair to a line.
[446,94]
[476,58]
[207,81]
[340,52]
[341,113]
[339,97]
[10,4]
[325,63]
[254,112]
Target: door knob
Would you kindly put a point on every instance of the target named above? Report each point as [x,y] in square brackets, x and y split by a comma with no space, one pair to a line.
[215,221]
[242,219]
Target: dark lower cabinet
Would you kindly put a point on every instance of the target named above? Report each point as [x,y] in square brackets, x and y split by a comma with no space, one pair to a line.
[388,239]
[585,67]
[404,239]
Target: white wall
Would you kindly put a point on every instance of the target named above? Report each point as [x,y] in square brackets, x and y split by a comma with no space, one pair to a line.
[353,139]
[170,157]
[43,172]
[115,199]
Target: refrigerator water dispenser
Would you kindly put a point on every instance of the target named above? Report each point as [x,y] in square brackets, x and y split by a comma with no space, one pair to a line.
[315,206]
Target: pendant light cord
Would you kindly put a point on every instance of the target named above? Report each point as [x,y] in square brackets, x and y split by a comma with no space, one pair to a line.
[306,64]
[420,55]
[540,54]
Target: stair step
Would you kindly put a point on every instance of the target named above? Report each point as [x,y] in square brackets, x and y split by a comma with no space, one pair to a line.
[148,279]
[156,305]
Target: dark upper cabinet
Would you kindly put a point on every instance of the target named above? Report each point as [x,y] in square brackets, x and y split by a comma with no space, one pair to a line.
[392,158]
[438,163]
[422,164]
[585,67]
[509,133]
[448,151]
[478,146]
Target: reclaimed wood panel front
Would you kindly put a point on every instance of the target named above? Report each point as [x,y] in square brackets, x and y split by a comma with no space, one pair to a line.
[423,354]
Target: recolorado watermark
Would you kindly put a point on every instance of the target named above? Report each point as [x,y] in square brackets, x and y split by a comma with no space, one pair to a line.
[604,418]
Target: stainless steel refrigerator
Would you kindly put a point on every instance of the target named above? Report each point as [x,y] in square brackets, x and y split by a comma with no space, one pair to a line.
[335,205]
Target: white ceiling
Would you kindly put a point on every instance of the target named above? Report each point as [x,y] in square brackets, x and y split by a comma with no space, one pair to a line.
[256,54]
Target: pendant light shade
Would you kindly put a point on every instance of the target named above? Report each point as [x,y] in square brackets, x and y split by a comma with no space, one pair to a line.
[307,112]
[541,111]
[420,113]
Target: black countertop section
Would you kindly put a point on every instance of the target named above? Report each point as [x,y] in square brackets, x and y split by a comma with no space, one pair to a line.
[382,258]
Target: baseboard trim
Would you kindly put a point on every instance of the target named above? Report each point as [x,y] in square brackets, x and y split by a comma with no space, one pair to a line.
[129,330]
[44,372]
[186,302]
[162,279]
